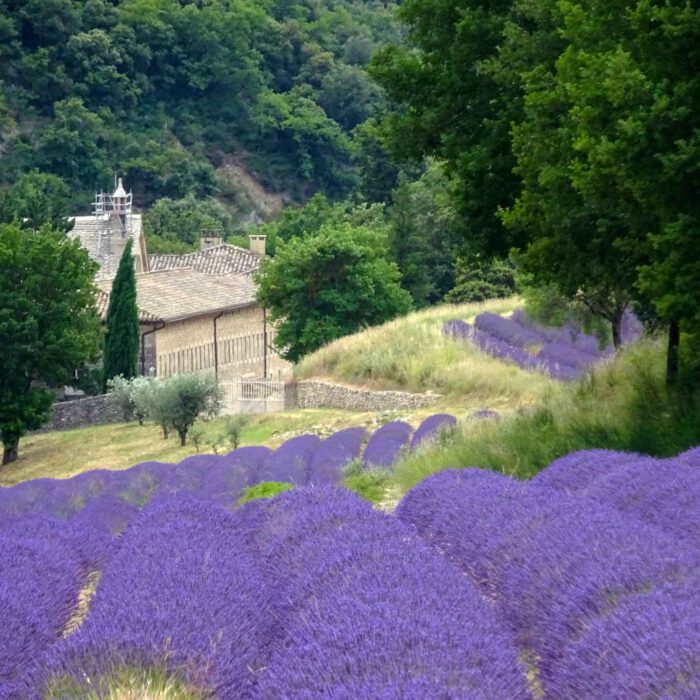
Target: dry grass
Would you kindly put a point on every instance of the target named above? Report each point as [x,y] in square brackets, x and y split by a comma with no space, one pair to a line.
[126,683]
[61,455]
[412,354]
[82,608]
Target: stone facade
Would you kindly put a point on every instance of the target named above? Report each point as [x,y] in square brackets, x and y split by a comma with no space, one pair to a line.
[233,344]
[309,393]
[92,410]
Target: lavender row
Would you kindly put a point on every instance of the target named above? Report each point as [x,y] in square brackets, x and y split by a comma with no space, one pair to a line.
[331,599]
[568,566]
[301,460]
[563,353]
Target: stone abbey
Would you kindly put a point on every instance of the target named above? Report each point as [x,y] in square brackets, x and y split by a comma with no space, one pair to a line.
[197,311]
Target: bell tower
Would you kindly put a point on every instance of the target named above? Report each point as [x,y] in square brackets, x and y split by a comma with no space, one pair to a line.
[113,223]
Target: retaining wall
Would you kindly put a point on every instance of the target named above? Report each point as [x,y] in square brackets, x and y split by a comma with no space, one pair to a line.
[92,410]
[308,393]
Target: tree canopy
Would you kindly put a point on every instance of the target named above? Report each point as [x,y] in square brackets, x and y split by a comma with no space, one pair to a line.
[329,284]
[48,324]
[161,90]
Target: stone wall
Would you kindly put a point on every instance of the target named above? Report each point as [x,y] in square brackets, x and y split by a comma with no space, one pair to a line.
[92,410]
[188,346]
[308,393]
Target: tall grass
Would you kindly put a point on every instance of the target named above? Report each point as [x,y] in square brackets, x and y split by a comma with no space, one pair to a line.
[411,353]
[126,683]
[623,405]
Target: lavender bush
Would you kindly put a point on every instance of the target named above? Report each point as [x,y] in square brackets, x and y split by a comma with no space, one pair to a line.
[563,353]
[589,570]
[290,462]
[384,447]
[336,452]
[431,427]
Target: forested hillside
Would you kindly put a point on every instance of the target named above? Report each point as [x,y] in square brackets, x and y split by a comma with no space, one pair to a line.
[186,97]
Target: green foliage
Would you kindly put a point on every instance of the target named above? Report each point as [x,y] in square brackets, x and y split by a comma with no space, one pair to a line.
[327,285]
[184,220]
[122,391]
[451,106]
[546,305]
[297,131]
[160,89]
[624,405]
[121,349]
[184,398]
[233,429]
[370,484]
[605,150]
[265,489]
[36,199]
[48,324]
[479,280]
[121,681]
[378,170]
[424,234]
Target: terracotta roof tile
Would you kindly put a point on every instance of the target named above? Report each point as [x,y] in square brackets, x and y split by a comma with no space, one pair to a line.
[222,259]
[102,304]
[172,295]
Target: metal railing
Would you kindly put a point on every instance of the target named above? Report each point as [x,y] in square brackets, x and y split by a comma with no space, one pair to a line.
[252,395]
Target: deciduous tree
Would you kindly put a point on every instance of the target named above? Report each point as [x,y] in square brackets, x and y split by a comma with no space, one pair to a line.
[327,285]
[48,324]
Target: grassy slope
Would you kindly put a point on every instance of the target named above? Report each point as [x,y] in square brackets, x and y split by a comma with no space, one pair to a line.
[623,405]
[119,446]
[411,353]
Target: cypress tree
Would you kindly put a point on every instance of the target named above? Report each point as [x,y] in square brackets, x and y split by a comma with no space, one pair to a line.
[122,339]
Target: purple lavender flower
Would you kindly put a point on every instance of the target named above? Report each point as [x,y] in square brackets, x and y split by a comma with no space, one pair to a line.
[647,646]
[384,447]
[577,470]
[529,548]
[336,452]
[290,462]
[431,427]
[564,353]
[168,596]
[371,611]
[39,584]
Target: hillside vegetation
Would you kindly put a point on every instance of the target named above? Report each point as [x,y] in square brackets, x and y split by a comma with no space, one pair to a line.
[186,98]
[412,354]
[624,404]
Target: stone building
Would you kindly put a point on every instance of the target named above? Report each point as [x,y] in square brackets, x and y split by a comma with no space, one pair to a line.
[197,312]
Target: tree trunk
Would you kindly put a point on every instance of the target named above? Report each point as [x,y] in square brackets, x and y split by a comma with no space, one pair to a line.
[166,432]
[674,341]
[183,437]
[616,325]
[10,452]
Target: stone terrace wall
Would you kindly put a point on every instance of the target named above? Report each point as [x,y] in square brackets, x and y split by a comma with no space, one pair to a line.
[92,410]
[308,393]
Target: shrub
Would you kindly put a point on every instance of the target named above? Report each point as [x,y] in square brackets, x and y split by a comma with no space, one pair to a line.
[186,397]
[234,428]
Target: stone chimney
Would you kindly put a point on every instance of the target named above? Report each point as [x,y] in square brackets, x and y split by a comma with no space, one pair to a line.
[257,244]
[206,242]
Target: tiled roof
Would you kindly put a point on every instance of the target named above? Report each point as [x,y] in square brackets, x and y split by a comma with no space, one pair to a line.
[102,304]
[107,254]
[173,295]
[222,259]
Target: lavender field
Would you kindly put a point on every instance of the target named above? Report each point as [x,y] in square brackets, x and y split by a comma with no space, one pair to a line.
[582,583]
[563,353]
